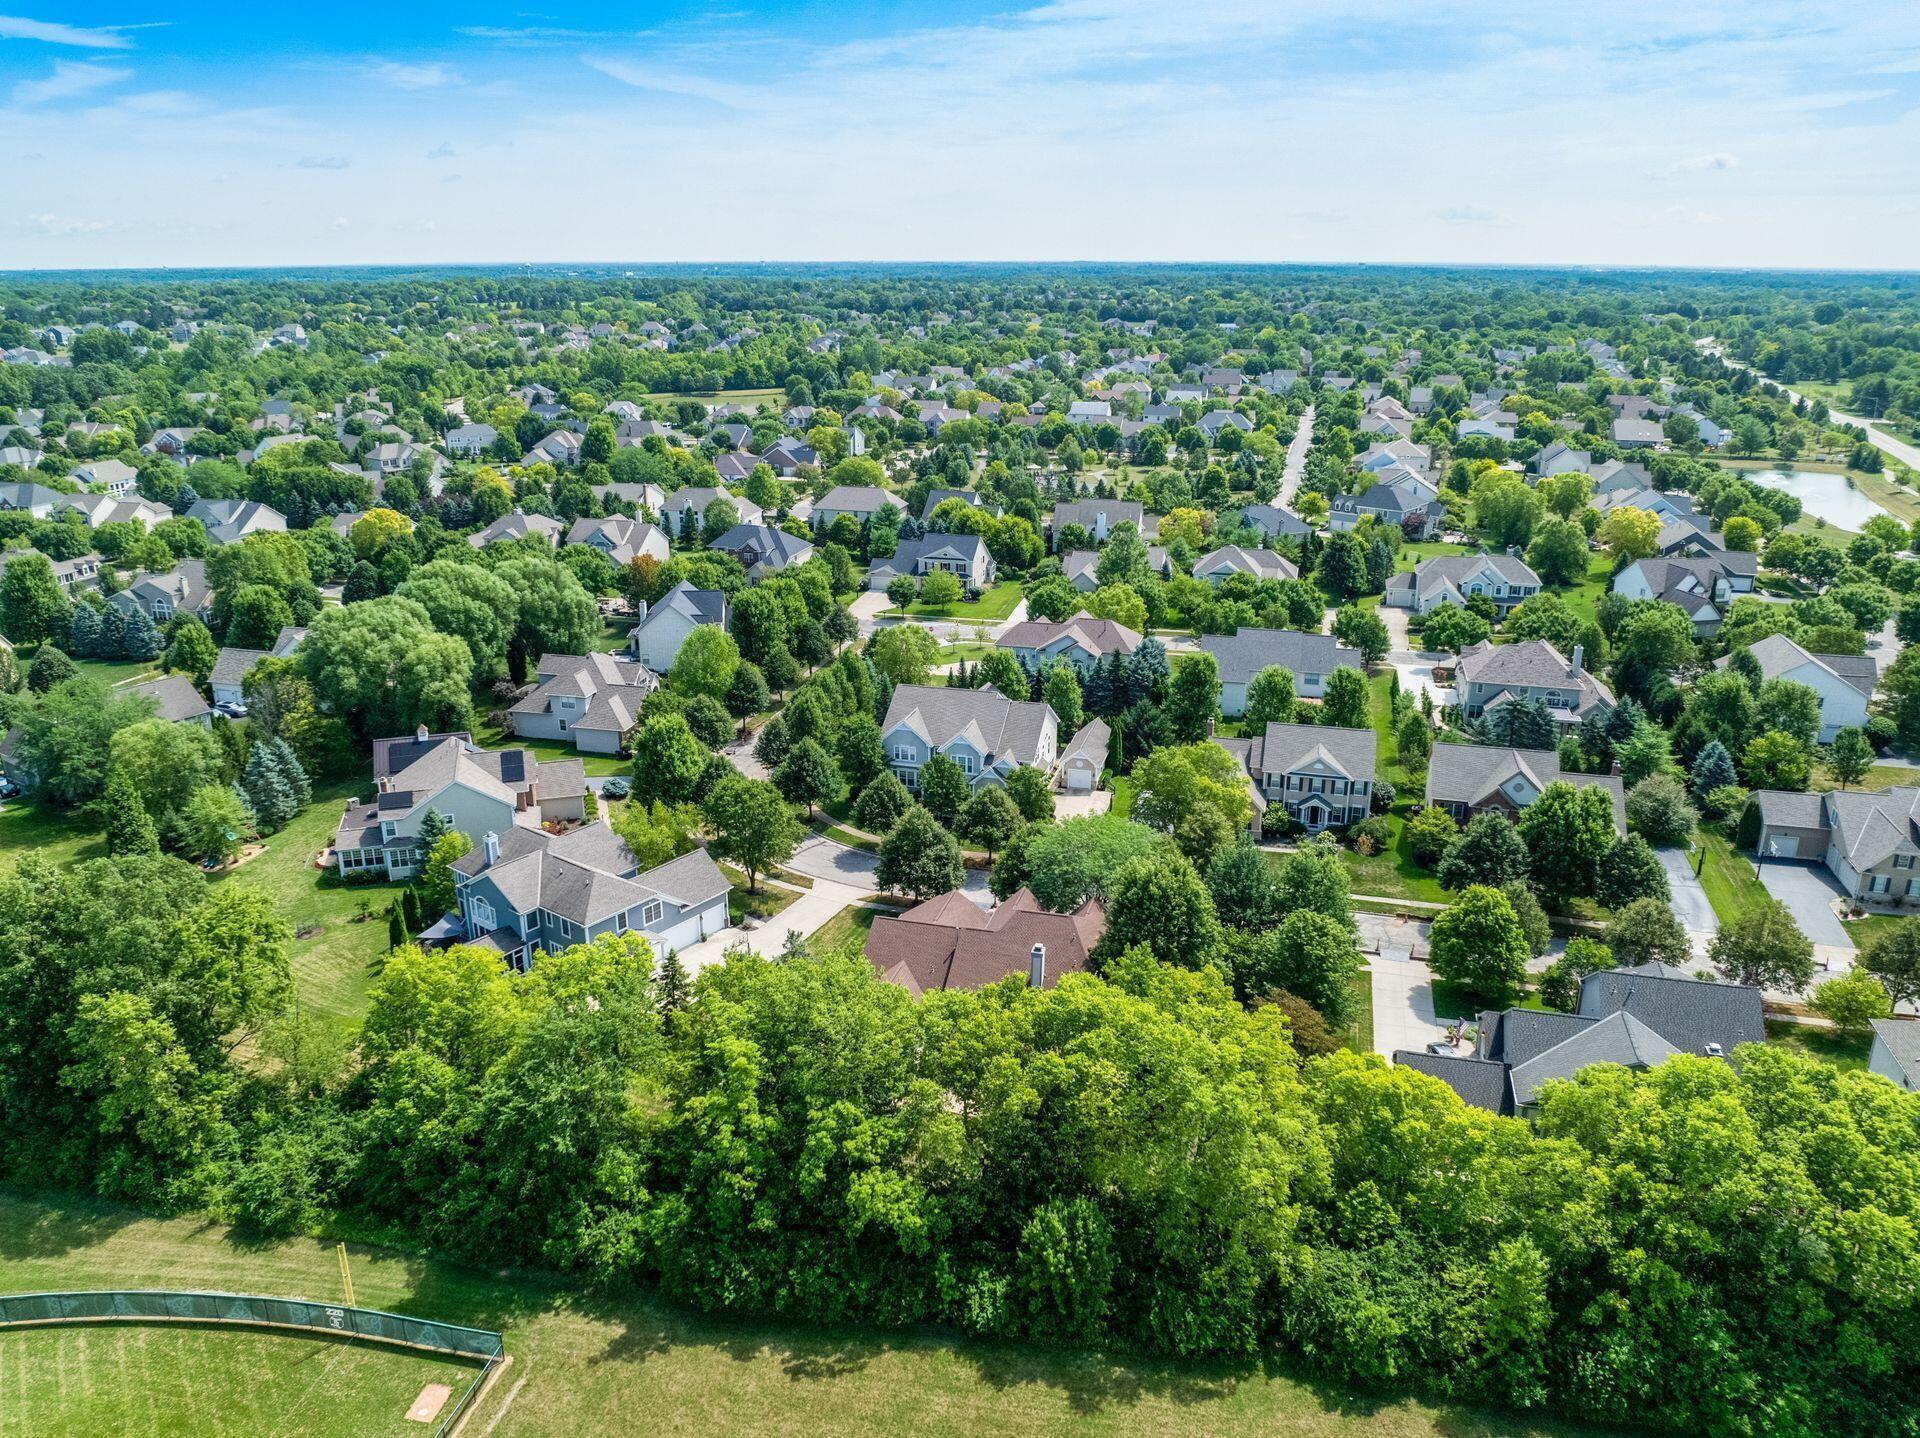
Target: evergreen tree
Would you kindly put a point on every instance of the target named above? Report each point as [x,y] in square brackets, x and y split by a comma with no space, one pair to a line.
[396,927]
[112,643]
[267,791]
[130,828]
[431,828]
[675,987]
[1712,769]
[410,909]
[142,639]
[83,631]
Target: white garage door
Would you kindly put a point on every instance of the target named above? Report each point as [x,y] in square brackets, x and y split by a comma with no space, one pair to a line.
[1783,846]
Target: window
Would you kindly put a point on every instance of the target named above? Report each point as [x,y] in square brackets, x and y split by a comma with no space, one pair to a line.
[1879,884]
[483,916]
[902,754]
[1913,888]
[965,761]
[1903,861]
[652,912]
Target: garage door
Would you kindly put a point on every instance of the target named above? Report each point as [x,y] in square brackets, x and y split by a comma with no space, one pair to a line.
[1783,846]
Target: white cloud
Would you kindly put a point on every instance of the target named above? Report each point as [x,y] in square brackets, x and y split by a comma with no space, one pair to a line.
[670,81]
[442,151]
[69,80]
[14,27]
[421,75]
[1718,160]
[341,222]
[68,225]
[322,162]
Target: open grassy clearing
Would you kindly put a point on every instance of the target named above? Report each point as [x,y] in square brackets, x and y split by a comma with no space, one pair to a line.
[750,397]
[850,923]
[1880,776]
[990,608]
[489,734]
[116,671]
[590,1363]
[210,1382]
[1825,1045]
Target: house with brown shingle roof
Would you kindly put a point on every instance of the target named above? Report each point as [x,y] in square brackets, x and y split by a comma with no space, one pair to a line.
[950,942]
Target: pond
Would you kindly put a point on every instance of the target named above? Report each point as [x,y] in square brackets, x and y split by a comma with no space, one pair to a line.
[1825,496]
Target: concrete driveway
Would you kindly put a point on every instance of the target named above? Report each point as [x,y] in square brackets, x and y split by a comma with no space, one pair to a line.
[1416,673]
[819,857]
[1690,904]
[1808,891]
[1403,1014]
[1075,806]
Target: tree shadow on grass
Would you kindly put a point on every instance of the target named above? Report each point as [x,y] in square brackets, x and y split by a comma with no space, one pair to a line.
[35,1229]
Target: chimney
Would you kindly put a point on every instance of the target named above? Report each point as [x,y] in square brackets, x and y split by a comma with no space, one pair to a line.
[1037,966]
[1579,654]
[420,734]
[490,843]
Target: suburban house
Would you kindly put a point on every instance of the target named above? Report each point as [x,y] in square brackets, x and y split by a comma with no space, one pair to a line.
[1469,779]
[1232,559]
[509,527]
[1455,578]
[937,497]
[1215,420]
[655,641]
[109,476]
[621,539]
[67,573]
[523,891]
[1084,759]
[181,590]
[1844,682]
[1558,457]
[99,509]
[231,668]
[641,496]
[475,790]
[761,550]
[1869,840]
[175,700]
[858,501]
[227,521]
[677,504]
[1631,433]
[1702,587]
[591,701]
[1310,658]
[1637,1018]
[470,441]
[1098,517]
[1082,639]
[987,734]
[1896,1051]
[1490,674]
[1274,521]
[25,497]
[950,942]
[964,556]
[1408,503]
[1320,777]
[1377,458]
[561,449]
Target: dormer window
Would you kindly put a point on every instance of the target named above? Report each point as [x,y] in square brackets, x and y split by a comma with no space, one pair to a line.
[1903,861]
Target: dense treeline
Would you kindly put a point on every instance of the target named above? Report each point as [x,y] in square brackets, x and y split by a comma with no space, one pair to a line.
[1130,1160]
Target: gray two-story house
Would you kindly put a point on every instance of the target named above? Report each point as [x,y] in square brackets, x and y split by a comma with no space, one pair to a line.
[524,891]
[1492,674]
[1456,578]
[987,734]
[1316,776]
[964,556]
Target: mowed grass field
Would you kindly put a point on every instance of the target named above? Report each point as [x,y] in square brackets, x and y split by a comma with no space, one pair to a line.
[589,1365]
[210,1382]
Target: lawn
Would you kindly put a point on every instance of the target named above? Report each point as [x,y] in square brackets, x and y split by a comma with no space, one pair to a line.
[488,734]
[1727,877]
[210,1382]
[990,608]
[1826,1045]
[762,904]
[972,652]
[1869,927]
[752,398]
[1357,1032]
[850,923]
[335,960]
[616,1360]
[116,671]
[336,953]
[1880,776]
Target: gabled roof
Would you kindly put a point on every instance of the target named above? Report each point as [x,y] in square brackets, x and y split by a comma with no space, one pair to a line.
[769,544]
[1100,637]
[1244,654]
[1000,728]
[1619,1038]
[1690,1014]
[950,943]
[1481,1083]
[1260,563]
[1901,1038]
[1470,774]
[175,697]
[856,499]
[1779,655]
[1285,748]
[701,606]
[587,875]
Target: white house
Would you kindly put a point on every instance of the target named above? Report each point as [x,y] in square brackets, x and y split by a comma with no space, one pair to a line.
[1844,682]
[1310,658]
[1217,564]
[655,641]
[1455,578]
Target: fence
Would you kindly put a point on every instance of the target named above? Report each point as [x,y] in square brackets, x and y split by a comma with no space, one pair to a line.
[21,1310]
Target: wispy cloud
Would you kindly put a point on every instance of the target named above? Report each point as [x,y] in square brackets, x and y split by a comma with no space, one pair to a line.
[442,151]
[1718,160]
[49,224]
[415,75]
[524,34]
[322,162]
[69,80]
[15,27]
[669,81]
[1469,215]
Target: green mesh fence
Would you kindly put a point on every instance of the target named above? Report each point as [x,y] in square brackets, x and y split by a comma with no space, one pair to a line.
[254,1310]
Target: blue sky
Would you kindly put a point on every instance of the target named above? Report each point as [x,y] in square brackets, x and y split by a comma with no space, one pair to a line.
[1762,132]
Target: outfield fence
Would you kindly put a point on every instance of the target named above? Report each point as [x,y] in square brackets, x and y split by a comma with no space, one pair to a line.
[25,1310]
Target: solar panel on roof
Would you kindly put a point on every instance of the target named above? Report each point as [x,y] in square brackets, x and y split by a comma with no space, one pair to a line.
[513,766]
[396,799]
